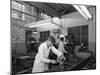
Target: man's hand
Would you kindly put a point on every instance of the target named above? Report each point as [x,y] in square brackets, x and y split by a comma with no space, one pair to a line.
[61,59]
[53,61]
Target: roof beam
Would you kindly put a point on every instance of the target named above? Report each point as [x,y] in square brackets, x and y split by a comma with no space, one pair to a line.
[60,5]
[67,9]
[46,8]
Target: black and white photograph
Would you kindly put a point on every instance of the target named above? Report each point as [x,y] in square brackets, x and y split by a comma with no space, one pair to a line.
[51,37]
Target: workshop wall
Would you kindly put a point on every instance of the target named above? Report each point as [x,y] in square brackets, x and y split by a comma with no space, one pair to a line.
[18,31]
[76,19]
[18,37]
[92,31]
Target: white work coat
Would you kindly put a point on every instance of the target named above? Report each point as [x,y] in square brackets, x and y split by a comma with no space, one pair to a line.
[41,59]
[61,47]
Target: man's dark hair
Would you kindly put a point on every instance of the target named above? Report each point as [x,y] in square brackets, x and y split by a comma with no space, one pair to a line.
[52,39]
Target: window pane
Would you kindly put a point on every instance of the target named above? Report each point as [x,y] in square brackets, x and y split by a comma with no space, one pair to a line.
[34,11]
[30,19]
[44,35]
[16,5]
[77,37]
[16,15]
[19,6]
[75,32]
[23,16]
[84,34]
[23,8]
[28,9]
[13,4]
[44,16]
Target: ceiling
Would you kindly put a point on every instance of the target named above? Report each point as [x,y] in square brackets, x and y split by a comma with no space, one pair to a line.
[62,8]
[53,9]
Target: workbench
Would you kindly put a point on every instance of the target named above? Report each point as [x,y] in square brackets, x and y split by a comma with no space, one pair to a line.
[71,65]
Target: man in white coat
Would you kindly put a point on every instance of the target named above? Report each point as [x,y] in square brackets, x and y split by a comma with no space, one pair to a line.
[41,62]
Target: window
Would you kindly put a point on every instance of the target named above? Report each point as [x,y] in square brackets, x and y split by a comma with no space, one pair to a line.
[20,11]
[17,13]
[16,5]
[44,16]
[44,35]
[80,34]
[34,11]
[23,16]
[75,32]
[30,19]
[23,8]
